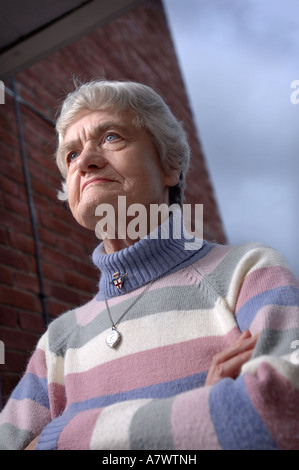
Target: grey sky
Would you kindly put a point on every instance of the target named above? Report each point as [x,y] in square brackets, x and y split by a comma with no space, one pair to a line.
[238,59]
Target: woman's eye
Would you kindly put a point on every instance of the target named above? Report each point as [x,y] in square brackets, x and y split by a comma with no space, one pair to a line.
[71,156]
[111,137]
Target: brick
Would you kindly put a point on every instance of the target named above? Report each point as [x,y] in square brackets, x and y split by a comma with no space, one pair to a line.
[87,269]
[34,140]
[9,186]
[41,188]
[14,361]
[54,180]
[9,139]
[22,242]
[62,212]
[83,236]
[47,236]
[57,258]
[31,96]
[18,340]
[12,221]
[76,250]
[42,203]
[5,123]
[64,294]
[11,257]
[6,276]
[52,272]
[31,322]
[4,235]
[10,170]
[8,383]
[26,282]
[56,225]
[79,282]
[56,307]
[43,157]
[8,317]
[18,298]
[35,170]
[16,206]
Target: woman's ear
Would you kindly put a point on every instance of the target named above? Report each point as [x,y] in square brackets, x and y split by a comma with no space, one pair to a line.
[172,178]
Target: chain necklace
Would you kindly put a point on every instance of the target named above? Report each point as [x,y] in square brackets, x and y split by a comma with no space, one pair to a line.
[114,336]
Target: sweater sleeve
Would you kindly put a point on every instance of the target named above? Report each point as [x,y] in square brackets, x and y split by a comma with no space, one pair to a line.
[257,410]
[265,298]
[27,411]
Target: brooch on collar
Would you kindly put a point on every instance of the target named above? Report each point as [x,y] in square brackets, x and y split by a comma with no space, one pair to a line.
[118,279]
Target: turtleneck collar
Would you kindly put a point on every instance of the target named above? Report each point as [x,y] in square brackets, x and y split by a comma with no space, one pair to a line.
[161,252]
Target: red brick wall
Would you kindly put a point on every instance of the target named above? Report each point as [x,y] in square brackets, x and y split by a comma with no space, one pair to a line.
[136,46]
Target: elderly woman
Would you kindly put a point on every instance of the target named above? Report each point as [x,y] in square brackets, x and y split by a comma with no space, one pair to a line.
[179,349]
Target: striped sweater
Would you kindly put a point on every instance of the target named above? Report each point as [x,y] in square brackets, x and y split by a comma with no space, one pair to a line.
[148,392]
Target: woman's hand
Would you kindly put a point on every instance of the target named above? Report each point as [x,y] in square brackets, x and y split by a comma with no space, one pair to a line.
[228,363]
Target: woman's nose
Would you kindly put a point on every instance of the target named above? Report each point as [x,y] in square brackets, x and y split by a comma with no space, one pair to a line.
[89,160]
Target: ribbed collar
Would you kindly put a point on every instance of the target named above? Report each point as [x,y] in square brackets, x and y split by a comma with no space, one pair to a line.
[163,251]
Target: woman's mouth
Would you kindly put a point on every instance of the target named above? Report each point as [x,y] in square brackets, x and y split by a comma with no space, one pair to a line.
[96,180]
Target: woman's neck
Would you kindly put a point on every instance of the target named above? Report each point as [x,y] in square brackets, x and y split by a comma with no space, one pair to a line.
[162,252]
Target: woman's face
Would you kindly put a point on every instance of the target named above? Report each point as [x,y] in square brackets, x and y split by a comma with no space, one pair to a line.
[108,156]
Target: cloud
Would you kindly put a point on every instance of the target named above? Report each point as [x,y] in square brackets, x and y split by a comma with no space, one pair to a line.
[238,61]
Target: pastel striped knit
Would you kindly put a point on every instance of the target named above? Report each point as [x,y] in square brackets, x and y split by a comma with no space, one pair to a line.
[148,392]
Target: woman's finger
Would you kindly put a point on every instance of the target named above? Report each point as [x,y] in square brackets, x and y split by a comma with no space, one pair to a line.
[228,363]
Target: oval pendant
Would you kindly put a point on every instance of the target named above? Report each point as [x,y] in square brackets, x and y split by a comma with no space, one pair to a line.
[113,338]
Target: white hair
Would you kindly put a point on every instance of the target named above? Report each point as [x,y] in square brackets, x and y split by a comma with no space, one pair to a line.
[152,113]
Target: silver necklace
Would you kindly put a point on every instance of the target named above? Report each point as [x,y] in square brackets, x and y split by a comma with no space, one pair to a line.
[114,336]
